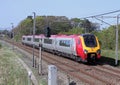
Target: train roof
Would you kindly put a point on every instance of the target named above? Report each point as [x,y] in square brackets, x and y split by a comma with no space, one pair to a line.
[86,34]
[65,36]
[59,35]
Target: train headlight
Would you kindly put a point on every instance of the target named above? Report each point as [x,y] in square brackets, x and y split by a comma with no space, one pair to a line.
[85,51]
[99,51]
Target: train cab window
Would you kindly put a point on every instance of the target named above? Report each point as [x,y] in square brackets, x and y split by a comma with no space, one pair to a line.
[90,40]
[28,39]
[36,39]
[48,41]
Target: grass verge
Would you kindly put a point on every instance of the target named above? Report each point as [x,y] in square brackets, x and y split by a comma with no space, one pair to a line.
[110,54]
[11,71]
[109,57]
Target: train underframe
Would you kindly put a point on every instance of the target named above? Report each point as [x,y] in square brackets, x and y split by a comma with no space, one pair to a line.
[91,57]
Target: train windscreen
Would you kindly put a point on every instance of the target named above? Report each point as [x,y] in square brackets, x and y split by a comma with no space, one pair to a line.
[90,40]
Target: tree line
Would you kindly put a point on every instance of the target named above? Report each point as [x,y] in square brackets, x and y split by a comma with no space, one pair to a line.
[56,23]
[64,25]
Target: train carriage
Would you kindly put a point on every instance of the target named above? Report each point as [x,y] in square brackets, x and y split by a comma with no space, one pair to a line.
[83,47]
[38,40]
[48,44]
[27,40]
[65,45]
[24,39]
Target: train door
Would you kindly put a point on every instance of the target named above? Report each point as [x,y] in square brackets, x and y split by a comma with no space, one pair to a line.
[73,47]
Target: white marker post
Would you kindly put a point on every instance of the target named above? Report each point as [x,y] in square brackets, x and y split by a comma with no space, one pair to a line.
[52,75]
[29,77]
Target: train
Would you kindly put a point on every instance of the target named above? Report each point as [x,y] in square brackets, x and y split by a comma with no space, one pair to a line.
[83,47]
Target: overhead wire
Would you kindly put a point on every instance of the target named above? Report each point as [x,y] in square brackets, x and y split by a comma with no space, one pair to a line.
[101,14]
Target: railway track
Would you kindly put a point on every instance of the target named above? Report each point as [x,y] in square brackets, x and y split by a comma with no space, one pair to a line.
[93,75]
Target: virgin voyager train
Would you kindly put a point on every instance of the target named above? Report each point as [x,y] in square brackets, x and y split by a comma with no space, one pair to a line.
[83,47]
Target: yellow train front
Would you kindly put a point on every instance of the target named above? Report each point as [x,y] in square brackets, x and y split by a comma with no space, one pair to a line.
[90,47]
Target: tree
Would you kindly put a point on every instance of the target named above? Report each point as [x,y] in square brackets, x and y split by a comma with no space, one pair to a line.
[87,25]
[76,22]
[107,37]
[62,26]
[76,30]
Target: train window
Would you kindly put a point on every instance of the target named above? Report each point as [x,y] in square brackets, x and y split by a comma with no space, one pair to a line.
[61,43]
[90,40]
[23,38]
[65,43]
[48,41]
[36,39]
[28,39]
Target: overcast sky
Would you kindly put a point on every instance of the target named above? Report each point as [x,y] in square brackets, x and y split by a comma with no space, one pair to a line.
[13,11]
